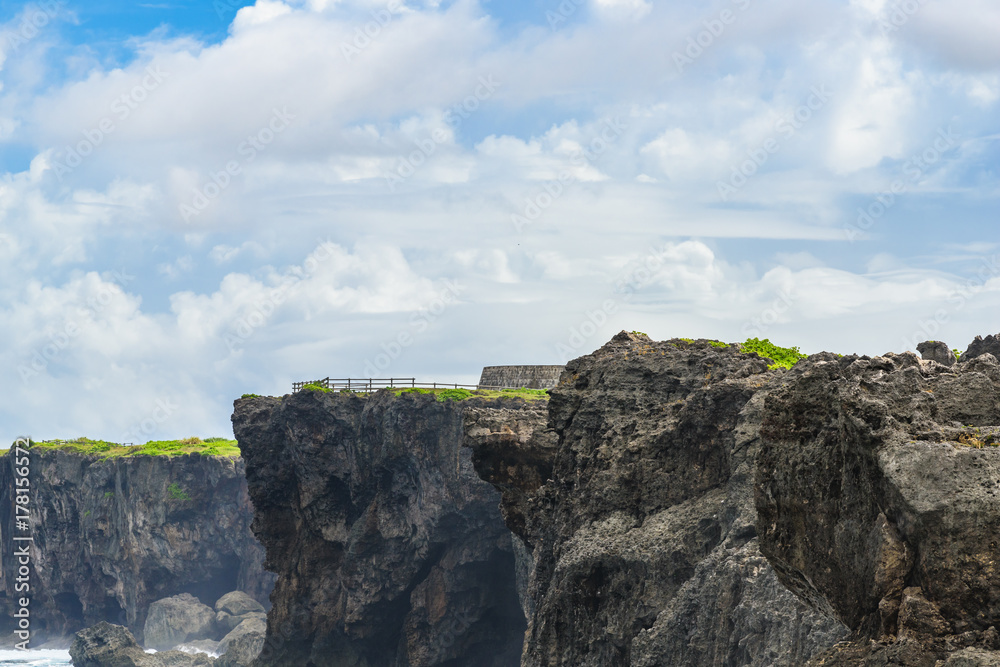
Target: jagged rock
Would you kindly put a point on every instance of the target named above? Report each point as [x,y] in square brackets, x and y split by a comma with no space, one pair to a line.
[935,350]
[176,620]
[112,540]
[389,549]
[238,603]
[879,472]
[981,346]
[107,645]
[636,502]
[242,651]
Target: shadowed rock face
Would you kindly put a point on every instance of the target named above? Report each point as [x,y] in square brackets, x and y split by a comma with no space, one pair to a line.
[636,506]
[110,540]
[981,346]
[878,499]
[389,550]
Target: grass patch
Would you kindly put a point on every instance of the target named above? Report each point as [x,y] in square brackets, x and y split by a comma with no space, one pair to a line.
[783,357]
[176,492]
[250,396]
[639,333]
[718,343]
[111,450]
[463,394]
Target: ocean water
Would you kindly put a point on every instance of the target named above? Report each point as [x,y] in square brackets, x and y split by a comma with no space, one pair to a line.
[34,658]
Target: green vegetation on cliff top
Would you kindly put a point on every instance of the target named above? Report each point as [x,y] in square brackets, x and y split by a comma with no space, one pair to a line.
[783,357]
[110,450]
[449,394]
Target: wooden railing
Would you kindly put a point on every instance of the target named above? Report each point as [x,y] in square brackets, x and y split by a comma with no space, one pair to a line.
[374,384]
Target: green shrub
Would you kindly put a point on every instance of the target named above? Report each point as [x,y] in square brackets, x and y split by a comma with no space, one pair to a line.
[453,395]
[639,333]
[109,494]
[176,492]
[718,343]
[957,354]
[783,357]
[250,396]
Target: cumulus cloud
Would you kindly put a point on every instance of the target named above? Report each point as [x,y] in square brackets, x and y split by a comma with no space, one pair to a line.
[403,158]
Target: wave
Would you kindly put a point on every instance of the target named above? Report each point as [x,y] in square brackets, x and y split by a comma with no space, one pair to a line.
[34,658]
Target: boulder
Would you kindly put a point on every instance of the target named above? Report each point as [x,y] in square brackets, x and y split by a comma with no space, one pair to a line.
[176,620]
[107,645]
[935,350]
[238,603]
[242,651]
[251,626]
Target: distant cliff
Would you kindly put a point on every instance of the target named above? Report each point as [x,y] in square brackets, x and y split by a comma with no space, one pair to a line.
[390,551]
[112,536]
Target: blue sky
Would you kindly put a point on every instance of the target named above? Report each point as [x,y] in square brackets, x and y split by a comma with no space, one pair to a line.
[203,199]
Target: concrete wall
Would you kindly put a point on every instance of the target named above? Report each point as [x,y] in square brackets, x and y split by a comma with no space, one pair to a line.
[533,377]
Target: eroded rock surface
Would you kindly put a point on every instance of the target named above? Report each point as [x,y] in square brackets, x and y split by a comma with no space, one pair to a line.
[878,499]
[635,503]
[390,550]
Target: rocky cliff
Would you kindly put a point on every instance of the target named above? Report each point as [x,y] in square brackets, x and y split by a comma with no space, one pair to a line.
[110,538]
[636,506]
[878,498]
[390,551]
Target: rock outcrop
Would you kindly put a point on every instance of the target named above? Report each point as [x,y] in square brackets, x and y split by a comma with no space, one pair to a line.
[109,538]
[878,501]
[981,346]
[936,350]
[390,551]
[635,504]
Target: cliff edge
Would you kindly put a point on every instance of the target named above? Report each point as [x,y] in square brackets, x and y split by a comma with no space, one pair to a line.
[390,551]
[878,499]
[110,538]
[636,506]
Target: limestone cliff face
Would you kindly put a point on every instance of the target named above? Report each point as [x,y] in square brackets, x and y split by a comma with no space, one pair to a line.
[110,539]
[390,551]
[878,498]
[635,503]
